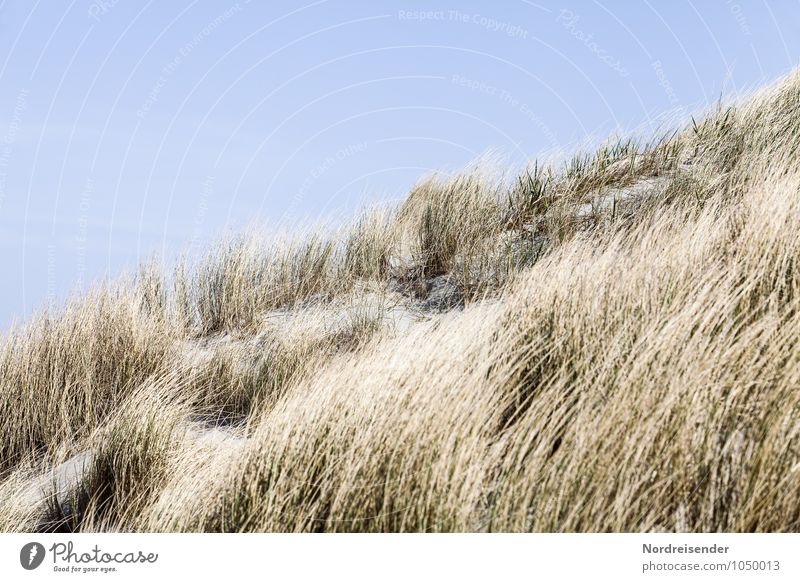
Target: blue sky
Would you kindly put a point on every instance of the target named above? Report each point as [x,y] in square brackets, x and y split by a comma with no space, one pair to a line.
[132,128]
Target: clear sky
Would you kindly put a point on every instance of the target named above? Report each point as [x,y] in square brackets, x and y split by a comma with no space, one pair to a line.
[132,128]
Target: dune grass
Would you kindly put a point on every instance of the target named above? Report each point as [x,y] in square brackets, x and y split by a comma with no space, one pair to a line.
[618,352]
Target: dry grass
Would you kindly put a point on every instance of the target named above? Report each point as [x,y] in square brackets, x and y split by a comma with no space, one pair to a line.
[609,345]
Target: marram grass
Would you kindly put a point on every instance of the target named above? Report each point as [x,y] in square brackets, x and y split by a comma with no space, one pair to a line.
[612,344]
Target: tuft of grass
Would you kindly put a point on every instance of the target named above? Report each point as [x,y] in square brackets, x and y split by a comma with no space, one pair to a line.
[127,465]
[446,217]
[62,374]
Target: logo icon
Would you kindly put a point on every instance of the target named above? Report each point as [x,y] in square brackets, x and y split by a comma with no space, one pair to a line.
[31,555]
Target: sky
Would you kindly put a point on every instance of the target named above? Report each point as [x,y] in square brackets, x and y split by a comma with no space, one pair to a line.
[132,129]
